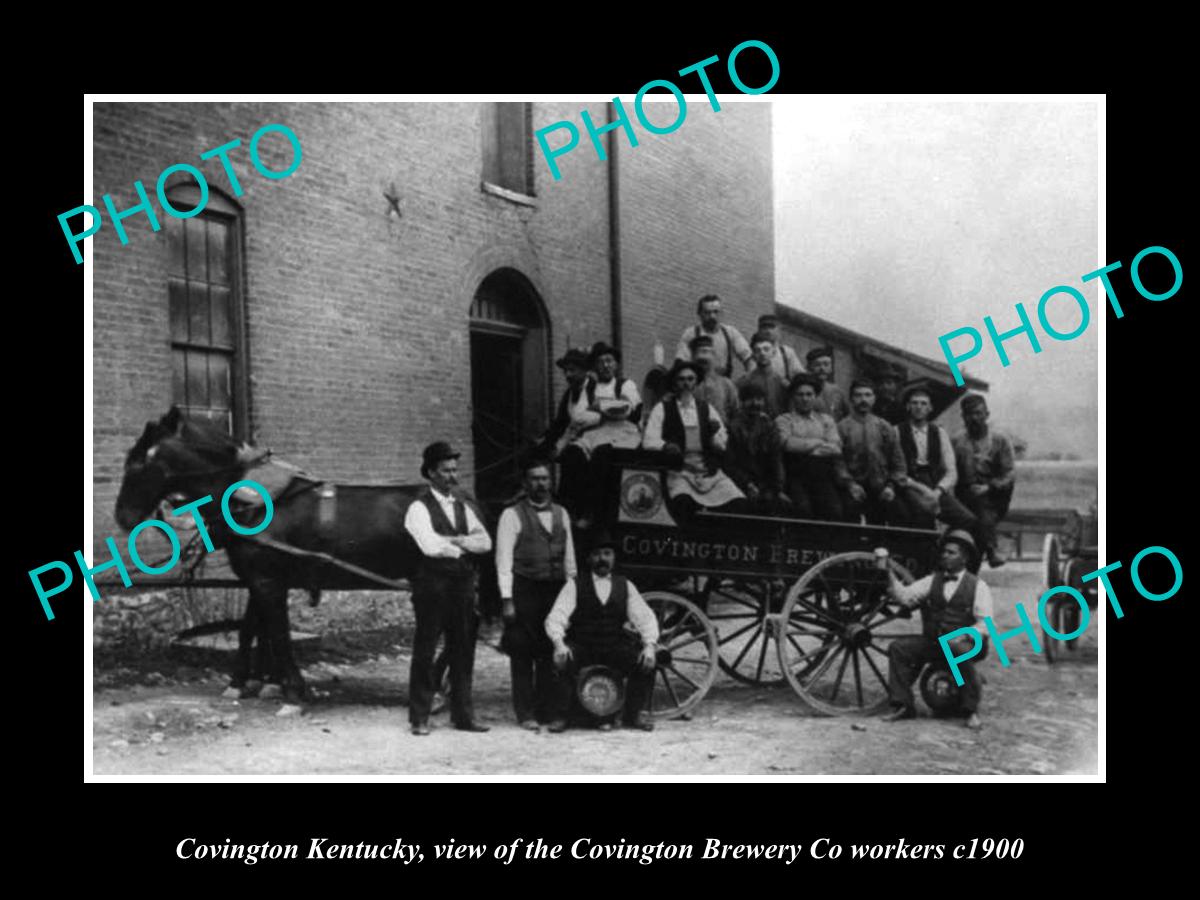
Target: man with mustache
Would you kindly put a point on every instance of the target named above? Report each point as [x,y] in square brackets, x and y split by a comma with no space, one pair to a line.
[727,341]
[873,459]
[534,557]
[784,359]
[448,532]
[950,598]
[812,454]
[713,388]
[587,626]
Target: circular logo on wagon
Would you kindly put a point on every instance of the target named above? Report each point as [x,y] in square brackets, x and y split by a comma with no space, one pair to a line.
[641,496]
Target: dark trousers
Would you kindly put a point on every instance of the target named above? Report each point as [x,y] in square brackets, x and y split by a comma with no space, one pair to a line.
[530,654]
[574,490]
[950,511]
[878,511]
[623,657]
[987,509]
[443,605]
[813,488]
[908,655]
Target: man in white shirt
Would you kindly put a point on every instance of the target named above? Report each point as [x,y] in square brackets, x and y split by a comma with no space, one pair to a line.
[534,557]
[587,626]
[728,342]
[930,469]
[950,598]
[447,531]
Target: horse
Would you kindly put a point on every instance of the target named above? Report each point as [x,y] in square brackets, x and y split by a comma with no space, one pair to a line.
[183,460]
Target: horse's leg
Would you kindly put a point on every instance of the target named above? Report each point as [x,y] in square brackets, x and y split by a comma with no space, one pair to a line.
[246,680]
[275,596]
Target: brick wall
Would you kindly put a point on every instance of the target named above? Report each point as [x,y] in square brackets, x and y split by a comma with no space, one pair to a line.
[358,342]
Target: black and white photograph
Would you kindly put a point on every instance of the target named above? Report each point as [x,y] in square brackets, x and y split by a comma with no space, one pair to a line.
[502,436]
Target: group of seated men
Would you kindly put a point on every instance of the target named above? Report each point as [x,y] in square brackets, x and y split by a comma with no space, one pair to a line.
[783,438]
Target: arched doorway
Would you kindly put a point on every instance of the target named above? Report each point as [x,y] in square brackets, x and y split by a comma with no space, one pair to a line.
[510,378]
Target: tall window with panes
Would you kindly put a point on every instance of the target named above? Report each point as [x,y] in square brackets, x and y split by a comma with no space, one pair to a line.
[204,290]
[507,146]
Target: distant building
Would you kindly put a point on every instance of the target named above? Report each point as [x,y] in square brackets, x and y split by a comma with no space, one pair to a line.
[856,354]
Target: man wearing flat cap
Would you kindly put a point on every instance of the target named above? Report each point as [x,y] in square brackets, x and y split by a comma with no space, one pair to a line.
[764,376]
[448,533]
[950,598]
[812,454]
[593,622]
[830,399]
[728,342]
[784,359]
[986,473]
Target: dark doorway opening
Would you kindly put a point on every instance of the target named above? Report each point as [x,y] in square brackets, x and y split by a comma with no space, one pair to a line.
[509,380]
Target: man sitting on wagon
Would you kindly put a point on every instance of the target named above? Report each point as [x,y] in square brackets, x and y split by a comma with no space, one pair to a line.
[873,459]
[764,377]
[986,473]
[754,458]
[587,626]
[685,425]
[713,388]
[950,598]
[812,453]
[830,398]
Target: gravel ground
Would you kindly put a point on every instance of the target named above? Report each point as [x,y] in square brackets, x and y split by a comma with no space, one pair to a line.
[1039,719]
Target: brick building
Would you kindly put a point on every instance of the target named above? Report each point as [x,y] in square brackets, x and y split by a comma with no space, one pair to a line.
[418,272]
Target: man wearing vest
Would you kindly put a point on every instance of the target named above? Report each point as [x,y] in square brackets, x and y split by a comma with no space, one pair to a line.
[685,425]
[447,532]
[929,467]
[534,557]
[950,598]
[784,359]
[574,418]
[587,626]
[727,340]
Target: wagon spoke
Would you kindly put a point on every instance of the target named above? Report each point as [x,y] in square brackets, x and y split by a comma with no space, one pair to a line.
[670,688]
[698,660]
[815,676]
[684,677]
[762,657]
[726,638]
[690,640]
[745,649]
[875,668]
[837,685]
[819,613]
[857,677]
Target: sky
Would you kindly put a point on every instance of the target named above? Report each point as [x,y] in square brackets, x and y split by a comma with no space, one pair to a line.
[907,220]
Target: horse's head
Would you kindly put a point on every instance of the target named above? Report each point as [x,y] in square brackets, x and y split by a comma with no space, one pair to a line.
[174,456]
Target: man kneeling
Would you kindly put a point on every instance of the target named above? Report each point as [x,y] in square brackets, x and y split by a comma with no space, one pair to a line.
[587,627]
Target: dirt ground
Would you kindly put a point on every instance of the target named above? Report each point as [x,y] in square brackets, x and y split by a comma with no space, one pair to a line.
[1039,719]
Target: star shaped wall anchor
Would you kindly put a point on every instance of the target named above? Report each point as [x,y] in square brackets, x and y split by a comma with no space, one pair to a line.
[393,198]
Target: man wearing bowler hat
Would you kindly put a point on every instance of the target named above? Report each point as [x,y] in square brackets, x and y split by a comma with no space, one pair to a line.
[448,532]
[950,598]
[587,626]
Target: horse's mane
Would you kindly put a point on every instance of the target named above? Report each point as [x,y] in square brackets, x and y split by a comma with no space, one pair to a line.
[209,441]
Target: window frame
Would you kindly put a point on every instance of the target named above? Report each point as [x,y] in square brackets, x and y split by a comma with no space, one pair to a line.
[490,133]
[220,207]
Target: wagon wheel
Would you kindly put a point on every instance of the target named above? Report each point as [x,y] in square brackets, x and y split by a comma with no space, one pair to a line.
[1051,561]
[834,632]
[741,613]
[687,656]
